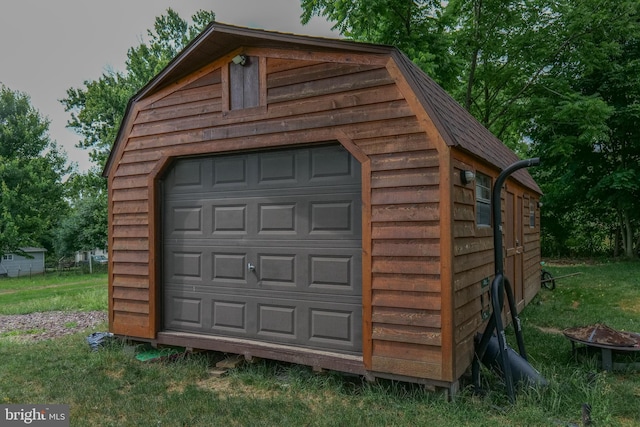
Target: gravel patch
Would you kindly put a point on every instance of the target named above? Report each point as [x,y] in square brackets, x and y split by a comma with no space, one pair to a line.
[47,325]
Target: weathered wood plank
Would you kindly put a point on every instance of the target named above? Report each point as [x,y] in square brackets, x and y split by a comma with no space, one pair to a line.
[196,108]
[404,195]
[128,293]
[133,244]
[406,316]
[130,281]
[127,269]
[407,334]
[463,212]
[405,230]
[403,299]
[405,141]
[133,194]
[467,245]
[180,124]
[337,84]
[130,306]
[129,231]
[406,282]
[332,102]
[275,65]
[464,351]
[211,78]
[403,247]
[407,212]
[130,256]
[405,265]
[468,294]
[130,207]
[407,351]
[472,260]
[252,127]
[183,96]
[406,367]
[405,178]
[130,219]
[129,182]
[405,160]
[140,156]
[313,72]
[463,195]
[475,275]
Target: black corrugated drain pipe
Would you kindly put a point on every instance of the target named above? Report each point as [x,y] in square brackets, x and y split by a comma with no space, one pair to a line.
[490,349]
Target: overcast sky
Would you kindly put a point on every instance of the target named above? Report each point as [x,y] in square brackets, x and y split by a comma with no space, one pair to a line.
[48,46]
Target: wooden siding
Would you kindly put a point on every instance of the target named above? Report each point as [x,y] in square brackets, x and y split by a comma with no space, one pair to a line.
[311,101]
[474,257]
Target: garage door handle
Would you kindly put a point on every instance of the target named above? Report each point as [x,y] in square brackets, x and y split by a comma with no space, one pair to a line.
[251,267]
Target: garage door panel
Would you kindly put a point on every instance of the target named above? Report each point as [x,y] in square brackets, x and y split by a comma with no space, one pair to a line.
[333,273]
[279,168]
[229,219]
[185,265]
[229,316]
[277,321]
[266,246]
[332,164]
[277,270]
[185,312]
[230,173]
[188,175]
[332,217]
[277,218]
[229,267]
[272,318]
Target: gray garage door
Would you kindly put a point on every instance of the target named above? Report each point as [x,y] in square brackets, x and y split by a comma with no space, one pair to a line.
[265,246]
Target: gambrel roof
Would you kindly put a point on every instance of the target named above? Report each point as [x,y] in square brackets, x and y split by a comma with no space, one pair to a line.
[457,126]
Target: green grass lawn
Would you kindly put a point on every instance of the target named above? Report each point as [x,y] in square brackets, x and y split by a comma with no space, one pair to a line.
[111,388]
[53,292]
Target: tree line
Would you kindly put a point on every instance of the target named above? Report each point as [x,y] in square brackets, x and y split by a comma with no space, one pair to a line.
[556,79]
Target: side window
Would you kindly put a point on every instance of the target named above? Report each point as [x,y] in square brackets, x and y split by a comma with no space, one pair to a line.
[7,257]
[483,200]
[532,213]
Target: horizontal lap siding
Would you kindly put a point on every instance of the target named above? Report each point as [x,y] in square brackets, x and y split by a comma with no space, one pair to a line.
[474,261]
[130,216]
[405,230]
[306,102]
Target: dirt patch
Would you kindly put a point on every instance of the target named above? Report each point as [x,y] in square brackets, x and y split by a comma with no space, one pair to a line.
[46,325]
[553,331]
[631,305]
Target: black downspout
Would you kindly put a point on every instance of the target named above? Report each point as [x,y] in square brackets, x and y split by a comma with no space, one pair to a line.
[497,212]
[498,287]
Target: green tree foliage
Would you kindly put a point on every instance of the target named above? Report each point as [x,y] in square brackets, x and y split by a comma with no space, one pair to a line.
[98,108]
[31,171]
[415,27]
[555,78]
[586,125]
[85,227]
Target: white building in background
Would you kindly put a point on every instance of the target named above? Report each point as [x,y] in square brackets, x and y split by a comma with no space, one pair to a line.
[82,256]
[14,265]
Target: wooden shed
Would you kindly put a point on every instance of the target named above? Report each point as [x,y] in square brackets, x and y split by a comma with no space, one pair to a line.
[301,199]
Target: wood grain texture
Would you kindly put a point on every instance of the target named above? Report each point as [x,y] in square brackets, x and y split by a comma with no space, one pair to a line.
[422,254]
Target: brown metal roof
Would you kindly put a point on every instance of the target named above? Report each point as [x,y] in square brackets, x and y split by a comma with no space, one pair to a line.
[457,126]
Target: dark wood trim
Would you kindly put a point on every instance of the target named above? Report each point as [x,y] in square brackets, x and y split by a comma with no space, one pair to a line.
[365,165]
[249,349]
